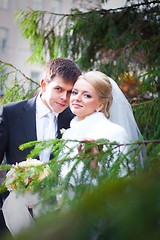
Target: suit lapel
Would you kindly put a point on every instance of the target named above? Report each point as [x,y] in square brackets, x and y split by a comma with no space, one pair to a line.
[29,120]
[64,119]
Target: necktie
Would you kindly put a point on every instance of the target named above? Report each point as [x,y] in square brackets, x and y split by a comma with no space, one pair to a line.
[49,129]
[49,133]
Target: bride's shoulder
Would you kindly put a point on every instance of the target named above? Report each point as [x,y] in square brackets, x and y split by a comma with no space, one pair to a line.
[112,127]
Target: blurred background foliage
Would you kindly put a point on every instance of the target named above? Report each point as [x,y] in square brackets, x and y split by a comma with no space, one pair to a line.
[16,85]
[125,44]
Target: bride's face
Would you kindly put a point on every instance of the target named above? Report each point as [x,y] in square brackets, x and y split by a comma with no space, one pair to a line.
[84,99]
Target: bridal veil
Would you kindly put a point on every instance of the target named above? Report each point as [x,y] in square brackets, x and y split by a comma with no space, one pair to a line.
[121,113]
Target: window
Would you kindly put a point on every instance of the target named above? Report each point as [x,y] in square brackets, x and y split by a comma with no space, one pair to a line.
[1,83]
[1,89]
[37,4]
[3,39]
[55,6]
[4,4]
[35,76]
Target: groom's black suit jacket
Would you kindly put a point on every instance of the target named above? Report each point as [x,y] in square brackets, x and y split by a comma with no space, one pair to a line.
[18,126]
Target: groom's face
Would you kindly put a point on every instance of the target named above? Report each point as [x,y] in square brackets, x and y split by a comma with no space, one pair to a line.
[56,94]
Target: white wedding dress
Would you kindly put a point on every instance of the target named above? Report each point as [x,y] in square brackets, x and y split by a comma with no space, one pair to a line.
[93,127]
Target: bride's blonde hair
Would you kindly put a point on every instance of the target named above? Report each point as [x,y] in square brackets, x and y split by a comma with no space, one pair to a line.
[103,87]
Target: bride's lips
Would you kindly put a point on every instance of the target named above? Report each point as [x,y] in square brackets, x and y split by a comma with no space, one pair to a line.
[75,105]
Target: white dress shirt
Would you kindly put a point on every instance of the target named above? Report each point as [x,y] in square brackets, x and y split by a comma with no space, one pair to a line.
[44,128]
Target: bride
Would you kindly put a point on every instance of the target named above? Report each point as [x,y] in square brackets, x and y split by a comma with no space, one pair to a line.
[102,111]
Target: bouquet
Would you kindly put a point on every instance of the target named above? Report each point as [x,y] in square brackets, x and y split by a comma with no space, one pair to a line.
[24,175]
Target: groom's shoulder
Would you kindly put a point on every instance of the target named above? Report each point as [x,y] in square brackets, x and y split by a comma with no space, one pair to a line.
[18,104]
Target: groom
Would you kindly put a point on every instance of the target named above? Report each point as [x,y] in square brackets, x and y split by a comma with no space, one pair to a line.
[24,121]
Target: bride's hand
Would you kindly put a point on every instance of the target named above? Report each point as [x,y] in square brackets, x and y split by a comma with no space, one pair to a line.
[81,146]
[94,150]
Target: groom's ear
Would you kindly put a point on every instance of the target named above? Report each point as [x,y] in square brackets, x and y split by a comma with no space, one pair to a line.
[43,85]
